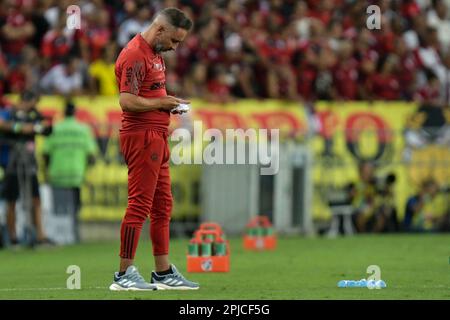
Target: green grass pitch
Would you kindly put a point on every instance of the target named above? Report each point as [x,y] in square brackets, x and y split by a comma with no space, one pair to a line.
[413,266]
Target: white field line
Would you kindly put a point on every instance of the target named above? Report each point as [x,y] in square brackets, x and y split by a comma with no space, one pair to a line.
[48,289]
[106,288]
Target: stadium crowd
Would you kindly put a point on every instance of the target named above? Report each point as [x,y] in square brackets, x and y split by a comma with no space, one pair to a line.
[291,49]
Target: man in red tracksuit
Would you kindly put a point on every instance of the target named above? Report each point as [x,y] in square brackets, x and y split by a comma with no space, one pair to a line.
[143,140]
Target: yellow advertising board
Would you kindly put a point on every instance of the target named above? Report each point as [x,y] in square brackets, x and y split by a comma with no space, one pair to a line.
[344,134]
[104,193]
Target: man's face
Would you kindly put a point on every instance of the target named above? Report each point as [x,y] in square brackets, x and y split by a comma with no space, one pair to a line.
[168,38]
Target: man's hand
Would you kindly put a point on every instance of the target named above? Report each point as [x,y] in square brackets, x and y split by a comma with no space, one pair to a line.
[170,102]
[182,108]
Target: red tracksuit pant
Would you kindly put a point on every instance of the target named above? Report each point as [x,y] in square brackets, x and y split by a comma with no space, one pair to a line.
[146,154]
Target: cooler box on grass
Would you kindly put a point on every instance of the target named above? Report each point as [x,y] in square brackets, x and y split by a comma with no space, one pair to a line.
[208,250]
[260,234]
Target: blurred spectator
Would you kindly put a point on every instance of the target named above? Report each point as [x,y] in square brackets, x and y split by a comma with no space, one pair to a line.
[24,75]
[174,83]
[427,210]
[55,10]
[16,79]
[36,10]
[429,94]
[219,86]
[427,54]
[97,34]
[20,124]
[276,52]
[209,47]
[301,20]
[387,220]
[101,72]
[363,194]
[374,201]
[438,17]
[65,78]
[417,28]
[324,85]
[67,153]
[346,73]
[57,43]
[443,73]
[16,28]
[138,22]
[3,73]
[270,49]
[194,82]
[430,124]
[239,61]
[367,58]
[384,84]
[306,73]
[407,69]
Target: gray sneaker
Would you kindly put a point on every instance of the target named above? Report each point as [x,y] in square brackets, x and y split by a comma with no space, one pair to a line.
[131,281]
[173,281]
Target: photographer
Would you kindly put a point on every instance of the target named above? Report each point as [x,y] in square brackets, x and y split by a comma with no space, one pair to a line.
[387,220]
[19,125]
[373,201]
[428,210]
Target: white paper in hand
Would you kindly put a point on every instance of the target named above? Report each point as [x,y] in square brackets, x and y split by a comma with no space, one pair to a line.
[182,108]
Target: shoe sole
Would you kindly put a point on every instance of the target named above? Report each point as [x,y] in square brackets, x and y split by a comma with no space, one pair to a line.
[162,286]
[115,287]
